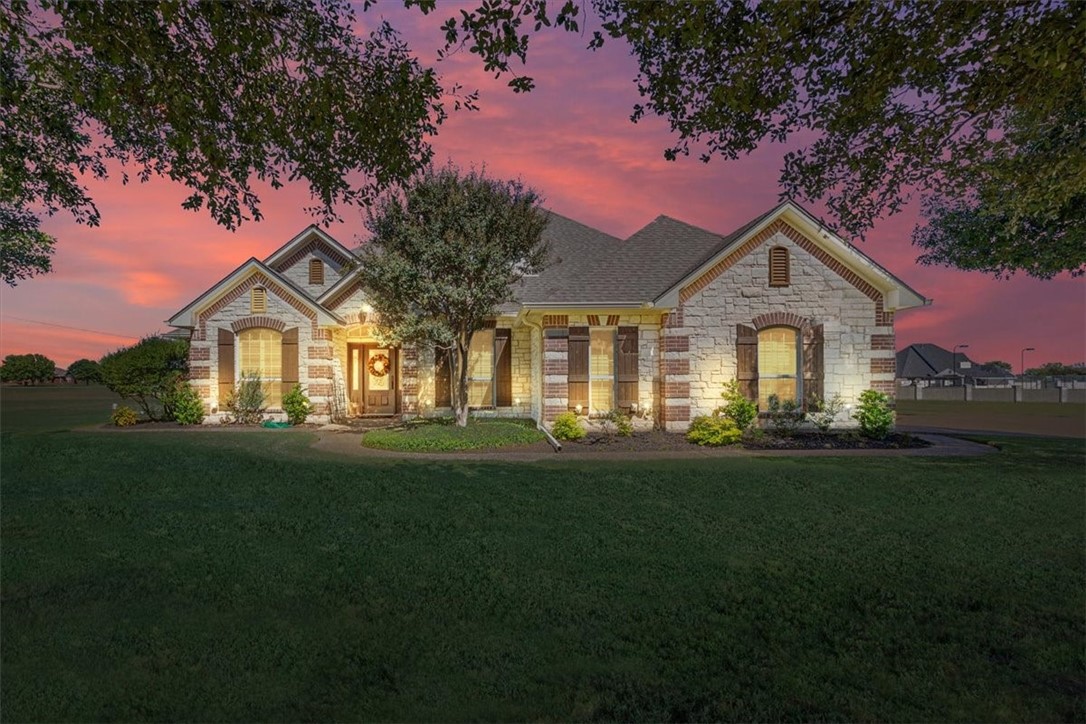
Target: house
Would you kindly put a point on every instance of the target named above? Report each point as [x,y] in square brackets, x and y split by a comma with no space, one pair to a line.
[654,324]
[929,365]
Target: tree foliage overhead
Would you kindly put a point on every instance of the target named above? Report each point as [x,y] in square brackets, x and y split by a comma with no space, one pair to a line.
[215,95]
[980,105]
[445,254]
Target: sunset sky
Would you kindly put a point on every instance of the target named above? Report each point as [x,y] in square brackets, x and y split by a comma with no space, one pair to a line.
[572,140]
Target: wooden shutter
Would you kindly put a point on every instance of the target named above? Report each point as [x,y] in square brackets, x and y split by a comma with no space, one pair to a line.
[779,272]
[226,365]
[578,368]
[503,366]
[746,356]
[290,360]
[626,373]
[442,378]
[813,369]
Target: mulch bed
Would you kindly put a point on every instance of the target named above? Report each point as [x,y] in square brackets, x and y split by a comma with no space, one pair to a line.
[672,441]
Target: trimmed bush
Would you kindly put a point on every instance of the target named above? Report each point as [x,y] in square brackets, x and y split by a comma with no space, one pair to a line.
[123,416]
[246,402]
[618,423]
[824,412]
[785,416]
[737,408]
[874,415]
[713,431]
[567,427]
[147,373]
[296,405]
[186,405]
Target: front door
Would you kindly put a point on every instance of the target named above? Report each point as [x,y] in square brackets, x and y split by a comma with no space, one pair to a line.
[379,380]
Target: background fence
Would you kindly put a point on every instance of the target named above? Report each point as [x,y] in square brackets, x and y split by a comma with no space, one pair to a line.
[1031,390]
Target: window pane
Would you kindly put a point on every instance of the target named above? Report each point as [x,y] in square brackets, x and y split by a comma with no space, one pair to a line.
[480,394]
[603,396]
[777,352]
[601,353]
[260,352]
[481,355]
[785,389]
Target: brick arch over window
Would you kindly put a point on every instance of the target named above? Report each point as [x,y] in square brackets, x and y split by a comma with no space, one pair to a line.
[780,319]
[257,321]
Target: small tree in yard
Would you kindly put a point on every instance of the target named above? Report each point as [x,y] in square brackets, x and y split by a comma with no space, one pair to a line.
[147,373]
[445,253]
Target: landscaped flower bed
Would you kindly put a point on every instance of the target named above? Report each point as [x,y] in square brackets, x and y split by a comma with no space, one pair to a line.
[672,441]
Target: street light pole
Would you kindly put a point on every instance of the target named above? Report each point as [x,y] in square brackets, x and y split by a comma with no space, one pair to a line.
[1022,366]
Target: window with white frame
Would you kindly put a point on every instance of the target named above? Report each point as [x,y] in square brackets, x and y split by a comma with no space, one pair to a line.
[601,368]
[260,353]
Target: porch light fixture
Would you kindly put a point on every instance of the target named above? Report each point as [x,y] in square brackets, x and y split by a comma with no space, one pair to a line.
[578,408]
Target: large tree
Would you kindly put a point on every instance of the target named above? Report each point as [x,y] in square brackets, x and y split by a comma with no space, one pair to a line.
[978,106]
[215,95]
[445,253]
[981,106]
[27,368]
[85,371]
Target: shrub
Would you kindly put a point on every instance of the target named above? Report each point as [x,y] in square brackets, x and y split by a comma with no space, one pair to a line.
[185,404]
[825,412]
[618,423]
[246,401]
[874,415]
[713,431]
[123,416]
[784,416]
[147,373]
[738,408]
[567,427]
[296,405]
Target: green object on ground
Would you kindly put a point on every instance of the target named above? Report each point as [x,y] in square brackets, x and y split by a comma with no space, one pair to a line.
[443,437]
[210,575]
[274,425]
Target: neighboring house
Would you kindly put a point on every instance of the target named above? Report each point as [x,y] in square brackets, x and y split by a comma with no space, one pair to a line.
[929,365]
[61,376]
[654,324]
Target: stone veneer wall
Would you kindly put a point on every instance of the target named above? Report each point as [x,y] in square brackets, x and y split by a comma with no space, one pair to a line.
[314,348]
[858,352]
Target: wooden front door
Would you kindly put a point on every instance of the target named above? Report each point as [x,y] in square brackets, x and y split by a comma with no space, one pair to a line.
[378,376]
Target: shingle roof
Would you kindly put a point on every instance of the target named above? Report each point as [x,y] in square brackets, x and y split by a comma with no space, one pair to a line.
[596,268]
[930,360]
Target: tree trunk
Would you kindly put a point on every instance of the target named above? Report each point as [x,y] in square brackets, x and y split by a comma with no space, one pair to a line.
[460,388]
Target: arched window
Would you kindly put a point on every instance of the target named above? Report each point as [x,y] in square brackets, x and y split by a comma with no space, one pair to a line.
[260,352]
[779,271]
[778,365]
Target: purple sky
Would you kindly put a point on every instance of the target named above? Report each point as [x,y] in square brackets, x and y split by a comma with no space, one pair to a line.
[572,140]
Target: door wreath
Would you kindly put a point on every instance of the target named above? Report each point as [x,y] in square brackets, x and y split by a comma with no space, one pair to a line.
[378,365]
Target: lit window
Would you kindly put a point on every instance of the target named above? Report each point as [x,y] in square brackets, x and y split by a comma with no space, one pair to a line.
[260,353]
[601,366]
[778,363]
[481,369]
[316,272]
[258,300]
[779,273]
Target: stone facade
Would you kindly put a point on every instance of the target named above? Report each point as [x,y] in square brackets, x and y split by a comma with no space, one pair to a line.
[686,349]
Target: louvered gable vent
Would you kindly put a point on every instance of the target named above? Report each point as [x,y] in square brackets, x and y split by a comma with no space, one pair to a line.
[779,273]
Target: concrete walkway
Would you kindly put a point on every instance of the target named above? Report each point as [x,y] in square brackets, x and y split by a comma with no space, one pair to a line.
[350,444]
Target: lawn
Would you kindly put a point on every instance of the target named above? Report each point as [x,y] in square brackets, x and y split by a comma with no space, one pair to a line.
[52,408]
[226,575]
[443,436]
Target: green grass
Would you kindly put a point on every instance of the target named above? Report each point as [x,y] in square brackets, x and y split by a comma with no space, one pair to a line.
[52,408]
[221,575]
[1051,419]
[443,437]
